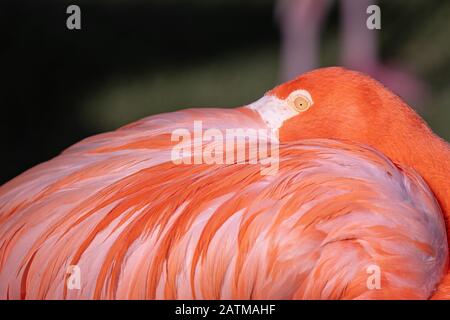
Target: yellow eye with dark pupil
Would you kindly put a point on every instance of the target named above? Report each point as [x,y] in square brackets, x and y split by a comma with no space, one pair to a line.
[301,104]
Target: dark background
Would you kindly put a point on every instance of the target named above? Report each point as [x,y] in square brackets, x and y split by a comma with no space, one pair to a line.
[136,58]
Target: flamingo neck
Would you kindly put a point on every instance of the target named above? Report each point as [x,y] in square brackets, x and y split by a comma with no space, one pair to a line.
[416,146]
[434,166]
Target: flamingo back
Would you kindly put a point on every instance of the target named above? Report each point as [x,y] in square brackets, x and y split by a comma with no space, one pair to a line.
[139,226]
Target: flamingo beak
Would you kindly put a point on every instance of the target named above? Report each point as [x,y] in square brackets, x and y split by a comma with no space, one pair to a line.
[273,111]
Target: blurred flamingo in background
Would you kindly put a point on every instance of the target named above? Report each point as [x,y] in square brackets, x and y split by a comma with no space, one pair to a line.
[362,182]
[301,23]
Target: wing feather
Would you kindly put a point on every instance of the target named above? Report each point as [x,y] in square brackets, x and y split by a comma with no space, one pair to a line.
[140,226]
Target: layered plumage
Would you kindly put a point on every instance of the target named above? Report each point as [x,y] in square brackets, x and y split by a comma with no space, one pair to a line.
[140,226]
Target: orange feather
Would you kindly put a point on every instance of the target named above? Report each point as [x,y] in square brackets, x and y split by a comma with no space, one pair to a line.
[361,182]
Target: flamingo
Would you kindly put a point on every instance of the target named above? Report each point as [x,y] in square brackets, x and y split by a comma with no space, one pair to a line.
[361,185]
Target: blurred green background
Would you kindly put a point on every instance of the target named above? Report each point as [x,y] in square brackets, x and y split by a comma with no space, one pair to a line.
[134,58]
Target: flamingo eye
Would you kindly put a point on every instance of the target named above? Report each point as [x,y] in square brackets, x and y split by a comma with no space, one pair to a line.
[300,100]
[301,104]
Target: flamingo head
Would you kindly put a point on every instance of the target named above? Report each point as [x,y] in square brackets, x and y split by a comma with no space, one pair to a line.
[333,103]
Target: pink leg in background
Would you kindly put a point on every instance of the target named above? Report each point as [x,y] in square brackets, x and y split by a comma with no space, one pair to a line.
[300,25]
[359,51]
